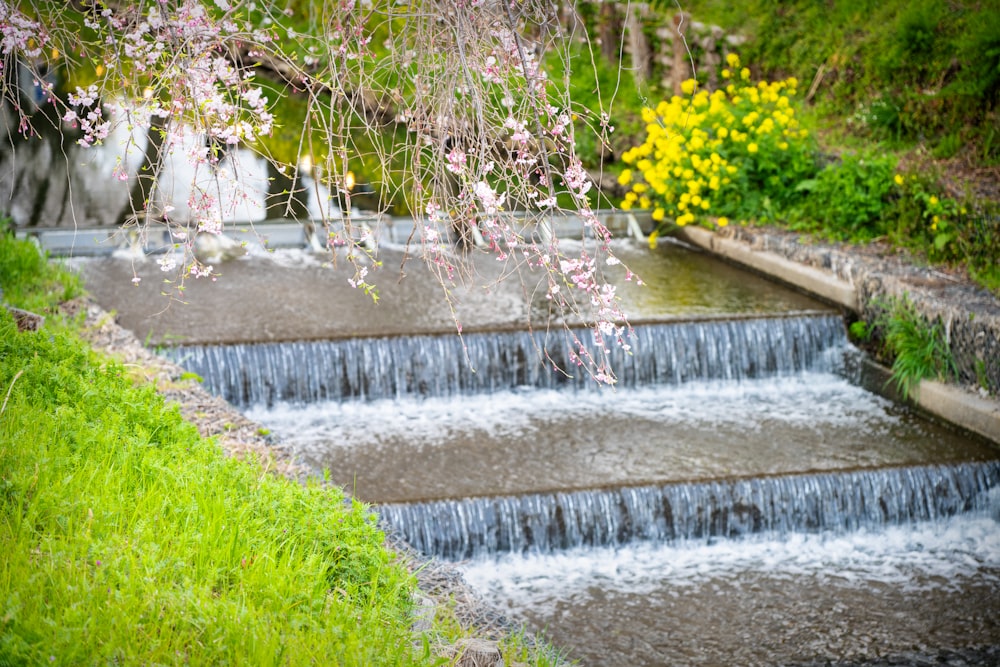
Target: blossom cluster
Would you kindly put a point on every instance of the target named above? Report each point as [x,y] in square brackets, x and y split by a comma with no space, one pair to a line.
[19,34]
[495,80]
[459,84]
[179,52]
[711,156]
[88,113]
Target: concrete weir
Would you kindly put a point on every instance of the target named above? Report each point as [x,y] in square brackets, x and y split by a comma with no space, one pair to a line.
[852,280]
[740,483]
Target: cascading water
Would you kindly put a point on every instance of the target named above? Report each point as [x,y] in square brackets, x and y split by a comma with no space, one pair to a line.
[736,499]
[807,503]
[433,366]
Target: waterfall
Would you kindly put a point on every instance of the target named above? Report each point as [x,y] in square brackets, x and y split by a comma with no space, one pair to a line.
[477,363]
[814,502]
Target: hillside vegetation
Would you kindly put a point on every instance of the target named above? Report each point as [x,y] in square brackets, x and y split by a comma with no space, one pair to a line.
[858,121]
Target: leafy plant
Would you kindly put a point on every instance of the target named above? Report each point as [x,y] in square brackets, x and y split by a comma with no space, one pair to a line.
[918,349]
[737,152]
[849,197]
[860,330]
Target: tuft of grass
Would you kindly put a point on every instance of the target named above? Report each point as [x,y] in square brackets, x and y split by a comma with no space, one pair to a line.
[918,349]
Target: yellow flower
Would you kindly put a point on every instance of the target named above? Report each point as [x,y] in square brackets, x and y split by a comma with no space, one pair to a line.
[625,178]
[687,87]
[626,205]
[722,222]
[745,74]
[726,74]
[658,214]
[652,239]
[898,179]
[733,60]
[752,147]
[723,133]
[933,201]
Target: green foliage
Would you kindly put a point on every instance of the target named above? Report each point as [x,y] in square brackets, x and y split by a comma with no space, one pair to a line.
[737,152]
[849,197]
[947,230]
[906,71]
[597,84]
[128,539]
[860,330]
[980,51]
[28,280]
[918,349]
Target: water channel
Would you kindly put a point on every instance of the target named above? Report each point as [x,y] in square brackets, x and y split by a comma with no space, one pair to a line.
[741,497]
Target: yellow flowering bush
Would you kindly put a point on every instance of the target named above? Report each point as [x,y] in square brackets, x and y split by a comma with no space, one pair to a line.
[735,153]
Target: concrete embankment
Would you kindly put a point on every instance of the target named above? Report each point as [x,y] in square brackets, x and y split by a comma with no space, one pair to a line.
[857,279]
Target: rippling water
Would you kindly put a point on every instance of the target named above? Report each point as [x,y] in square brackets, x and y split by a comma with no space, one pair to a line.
[762,600]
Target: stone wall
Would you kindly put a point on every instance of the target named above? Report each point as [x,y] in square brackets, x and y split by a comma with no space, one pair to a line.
[970,315]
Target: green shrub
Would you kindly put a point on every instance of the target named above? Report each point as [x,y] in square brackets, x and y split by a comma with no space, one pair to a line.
[849,198]
[738,152]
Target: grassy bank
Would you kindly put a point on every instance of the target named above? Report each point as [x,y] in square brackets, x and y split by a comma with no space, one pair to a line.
[125,538]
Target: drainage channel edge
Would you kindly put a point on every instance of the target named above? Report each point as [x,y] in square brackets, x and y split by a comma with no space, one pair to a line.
[852,282]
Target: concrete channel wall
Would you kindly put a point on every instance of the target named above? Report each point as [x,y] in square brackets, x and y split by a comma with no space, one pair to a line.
[857,279]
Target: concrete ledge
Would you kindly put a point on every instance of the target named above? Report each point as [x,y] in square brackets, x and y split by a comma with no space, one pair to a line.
[952,404]
[961,408]
[821,283]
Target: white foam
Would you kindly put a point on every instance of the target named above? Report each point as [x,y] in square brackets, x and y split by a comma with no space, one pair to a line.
[814,400]
[924,557]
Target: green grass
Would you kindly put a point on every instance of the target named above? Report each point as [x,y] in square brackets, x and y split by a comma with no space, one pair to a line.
[29,281]
[126,538]
[917,348]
